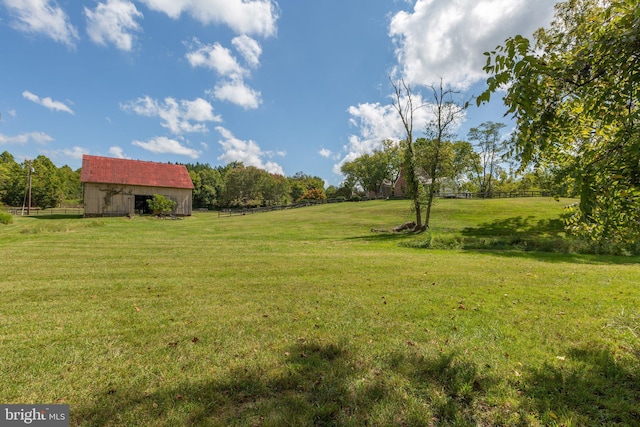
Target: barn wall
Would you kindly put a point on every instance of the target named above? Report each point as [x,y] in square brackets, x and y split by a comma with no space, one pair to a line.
[119,200]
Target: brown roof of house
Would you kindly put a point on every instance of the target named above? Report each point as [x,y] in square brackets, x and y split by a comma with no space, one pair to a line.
[108,170]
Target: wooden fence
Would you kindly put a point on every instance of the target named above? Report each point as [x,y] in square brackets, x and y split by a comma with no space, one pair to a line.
[495,194]
[248,211]
[49,211]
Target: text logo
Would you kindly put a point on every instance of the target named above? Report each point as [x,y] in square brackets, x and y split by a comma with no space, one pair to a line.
[34,415]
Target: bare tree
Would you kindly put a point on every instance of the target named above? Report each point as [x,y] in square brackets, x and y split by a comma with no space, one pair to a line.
[403,104]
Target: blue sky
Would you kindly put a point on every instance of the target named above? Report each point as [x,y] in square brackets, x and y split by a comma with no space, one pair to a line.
[287,86]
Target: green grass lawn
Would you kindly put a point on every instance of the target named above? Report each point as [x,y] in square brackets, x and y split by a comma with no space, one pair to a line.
[307,317]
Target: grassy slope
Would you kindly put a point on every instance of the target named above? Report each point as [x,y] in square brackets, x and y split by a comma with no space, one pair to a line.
[306,316]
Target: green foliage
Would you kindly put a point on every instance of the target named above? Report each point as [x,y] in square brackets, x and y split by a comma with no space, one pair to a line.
[47,188]
[316,194]
[50,185]
[446,111]
[465,162]
[275,189]
[70,184]
[331,191]
[6,218]
[238,186]
[307,182]
[13,183]
[490,150]
[370,171]
[160,204]
[574,96]
[207,183]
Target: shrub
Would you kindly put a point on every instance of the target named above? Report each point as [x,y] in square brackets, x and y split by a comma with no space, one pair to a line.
[315,194]
[6,218]
[160,204]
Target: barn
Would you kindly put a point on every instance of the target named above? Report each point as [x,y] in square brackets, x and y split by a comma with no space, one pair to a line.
[120,187]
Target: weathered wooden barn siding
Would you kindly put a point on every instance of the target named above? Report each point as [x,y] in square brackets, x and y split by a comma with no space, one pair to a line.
[119,200]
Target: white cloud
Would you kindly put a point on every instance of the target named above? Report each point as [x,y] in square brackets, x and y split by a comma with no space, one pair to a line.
[75,152]
[118,152]
[325,153]
[177,116]
[447,39]
[164,145]
[256,17]
[215,57]
[237,92]
[37,137]
[42,17]
[47,102]
[249,49]
[113,22]
[375,123]
[232,87]
[247,152]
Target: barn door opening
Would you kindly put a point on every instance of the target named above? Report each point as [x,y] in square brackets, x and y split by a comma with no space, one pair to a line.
[141,204]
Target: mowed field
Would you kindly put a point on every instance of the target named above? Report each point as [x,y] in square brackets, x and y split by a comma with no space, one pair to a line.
[308,317]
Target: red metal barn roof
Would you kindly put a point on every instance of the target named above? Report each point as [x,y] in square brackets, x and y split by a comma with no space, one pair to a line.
[107,170]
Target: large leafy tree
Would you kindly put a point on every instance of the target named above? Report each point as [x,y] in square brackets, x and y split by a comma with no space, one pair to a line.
[241,187]
[490,149]
[70,183]
[370,171]
[207,183]
[574,96]
[7,166]
[301,183]
[455,162]
[275,189]
[465,162]
[47,189]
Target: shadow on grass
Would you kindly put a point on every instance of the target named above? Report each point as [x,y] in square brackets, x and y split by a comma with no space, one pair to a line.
[601,392]
[517,226]
[327,385]
[57,216]
[312,391]
[553,257]
[384,236]
[526,237]
[323,385]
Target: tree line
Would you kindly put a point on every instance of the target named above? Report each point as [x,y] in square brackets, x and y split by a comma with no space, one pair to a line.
[51,186]
[238,186]
[480,166]
[232,186]
[464,167]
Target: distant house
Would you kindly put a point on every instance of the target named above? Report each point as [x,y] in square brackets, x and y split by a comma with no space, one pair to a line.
[119,187]
[400,188]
